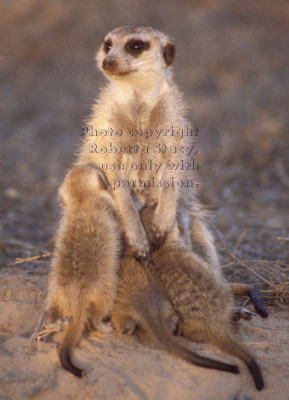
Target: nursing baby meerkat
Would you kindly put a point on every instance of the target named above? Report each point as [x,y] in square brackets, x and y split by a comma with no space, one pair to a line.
[202,299]
[193,233]
[141,303]
[138,134]
[86,259]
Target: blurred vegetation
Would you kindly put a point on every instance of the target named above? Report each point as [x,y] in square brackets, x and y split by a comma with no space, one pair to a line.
[232,64]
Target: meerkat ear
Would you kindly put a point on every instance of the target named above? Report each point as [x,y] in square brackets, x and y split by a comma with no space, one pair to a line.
[61,197]
[169,53]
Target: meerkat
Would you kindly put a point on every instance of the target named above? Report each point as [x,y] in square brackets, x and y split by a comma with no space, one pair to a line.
[134,132]
[194,233]
[202,299]
[84,270]
[139,108]
[140,303]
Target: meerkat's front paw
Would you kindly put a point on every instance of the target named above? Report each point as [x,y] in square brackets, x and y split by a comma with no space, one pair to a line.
[159,229]
[141,250]
[158,239]
[143,259]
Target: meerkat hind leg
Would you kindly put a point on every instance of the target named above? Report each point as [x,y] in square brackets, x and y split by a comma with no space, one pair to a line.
[41,330]
[50,322]
[242,313]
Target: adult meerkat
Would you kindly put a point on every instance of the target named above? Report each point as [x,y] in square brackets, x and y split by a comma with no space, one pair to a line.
[86,258]
[202,299]
[141,303]
[138,134]
[139,108]
[142,98]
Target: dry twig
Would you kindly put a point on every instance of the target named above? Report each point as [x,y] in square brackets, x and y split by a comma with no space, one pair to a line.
[242,262]
[29,259]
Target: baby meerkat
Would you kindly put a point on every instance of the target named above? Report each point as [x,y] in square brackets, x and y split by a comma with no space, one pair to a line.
[86,259]
[202,299]
[192,232]
[141,303]
[134,132]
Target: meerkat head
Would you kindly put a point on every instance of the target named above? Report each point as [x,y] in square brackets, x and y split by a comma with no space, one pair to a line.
[81,185]
[134,52]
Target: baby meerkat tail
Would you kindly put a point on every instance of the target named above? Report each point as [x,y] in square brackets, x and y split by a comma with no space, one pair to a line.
[72,336]
[159,332]
[243,289]
[231,346]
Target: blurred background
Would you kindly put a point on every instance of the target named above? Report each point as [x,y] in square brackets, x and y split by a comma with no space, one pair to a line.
[232,65]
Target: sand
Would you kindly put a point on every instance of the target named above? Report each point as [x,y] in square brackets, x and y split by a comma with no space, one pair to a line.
[125,367]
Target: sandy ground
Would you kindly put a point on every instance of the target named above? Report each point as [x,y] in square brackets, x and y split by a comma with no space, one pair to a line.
[232,64]
[125,367]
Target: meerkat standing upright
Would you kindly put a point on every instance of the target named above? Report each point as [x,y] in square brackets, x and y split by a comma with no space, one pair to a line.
[139,140]
[135,131]
[84,274]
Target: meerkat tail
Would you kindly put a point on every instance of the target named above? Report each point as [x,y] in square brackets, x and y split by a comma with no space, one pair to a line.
[231,346]
[256,373]
[256,298]
[243,289]
[169,344]
[72,336]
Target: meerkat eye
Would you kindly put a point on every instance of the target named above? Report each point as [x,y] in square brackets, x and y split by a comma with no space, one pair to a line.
[136,47]
[107,46]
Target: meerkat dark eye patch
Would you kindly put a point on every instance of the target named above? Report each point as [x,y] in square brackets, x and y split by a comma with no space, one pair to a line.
[135,47]
[169,53]
[107,45]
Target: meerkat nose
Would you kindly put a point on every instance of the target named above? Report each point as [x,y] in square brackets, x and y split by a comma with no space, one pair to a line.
[109,64]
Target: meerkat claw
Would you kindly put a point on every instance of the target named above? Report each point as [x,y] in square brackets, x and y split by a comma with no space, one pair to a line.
[142,259]
[158,240]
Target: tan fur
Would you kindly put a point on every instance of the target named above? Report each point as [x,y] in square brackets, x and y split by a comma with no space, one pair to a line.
[141,95]
[200,296]
[84,270]
[140,302]
[192,232]
[135,294]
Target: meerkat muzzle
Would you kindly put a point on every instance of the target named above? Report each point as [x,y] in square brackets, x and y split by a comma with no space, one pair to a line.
[110,64]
